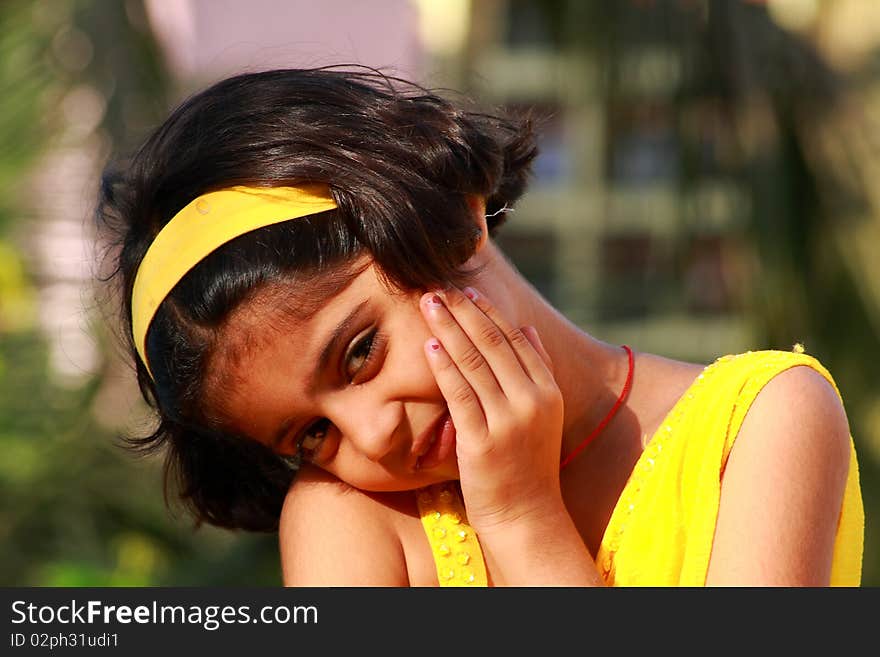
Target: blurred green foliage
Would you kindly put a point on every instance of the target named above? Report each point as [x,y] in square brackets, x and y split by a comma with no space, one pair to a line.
[25,78]
[77,509]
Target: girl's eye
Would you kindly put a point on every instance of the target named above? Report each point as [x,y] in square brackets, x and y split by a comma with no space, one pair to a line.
[358,364]
[363,355]
[311,439]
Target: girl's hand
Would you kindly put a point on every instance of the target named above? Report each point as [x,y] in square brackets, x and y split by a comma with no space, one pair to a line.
[504,403]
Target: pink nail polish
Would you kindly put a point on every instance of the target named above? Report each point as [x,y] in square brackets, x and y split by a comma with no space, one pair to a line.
[433,344]
[470,293]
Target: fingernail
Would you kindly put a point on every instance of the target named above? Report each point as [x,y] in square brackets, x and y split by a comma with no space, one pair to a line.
[433,344]
[433,300]
[470,293]
[533,332]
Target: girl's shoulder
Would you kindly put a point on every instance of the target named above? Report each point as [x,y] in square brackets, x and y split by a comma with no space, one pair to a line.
[672,386]
[333,534]
[790,483]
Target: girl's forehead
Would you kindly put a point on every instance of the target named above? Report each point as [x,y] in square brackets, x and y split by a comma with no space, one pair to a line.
[269,331]
[299,298]
[260,337]
[303,314]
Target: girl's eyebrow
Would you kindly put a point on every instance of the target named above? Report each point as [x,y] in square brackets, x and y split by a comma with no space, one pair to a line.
[326,353]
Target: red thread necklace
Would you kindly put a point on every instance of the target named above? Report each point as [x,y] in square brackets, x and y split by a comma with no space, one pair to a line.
[605,420]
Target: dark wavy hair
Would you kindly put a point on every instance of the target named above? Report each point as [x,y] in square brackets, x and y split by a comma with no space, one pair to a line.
[400,161]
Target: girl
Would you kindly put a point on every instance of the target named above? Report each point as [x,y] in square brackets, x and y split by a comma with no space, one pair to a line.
[337,350]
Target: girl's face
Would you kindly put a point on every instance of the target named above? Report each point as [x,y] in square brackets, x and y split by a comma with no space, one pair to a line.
[348,387]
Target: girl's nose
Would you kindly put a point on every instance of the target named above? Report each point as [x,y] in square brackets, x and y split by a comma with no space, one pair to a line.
[370,427]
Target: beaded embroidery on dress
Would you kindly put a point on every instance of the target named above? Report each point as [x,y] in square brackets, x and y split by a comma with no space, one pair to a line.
[454,544]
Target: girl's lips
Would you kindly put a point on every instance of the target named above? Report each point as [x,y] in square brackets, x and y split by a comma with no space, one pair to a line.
[441,448]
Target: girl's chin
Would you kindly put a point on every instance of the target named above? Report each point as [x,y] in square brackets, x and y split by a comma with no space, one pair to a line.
[417,480]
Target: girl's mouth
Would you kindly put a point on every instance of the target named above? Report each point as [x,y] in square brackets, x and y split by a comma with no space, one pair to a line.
[441,445]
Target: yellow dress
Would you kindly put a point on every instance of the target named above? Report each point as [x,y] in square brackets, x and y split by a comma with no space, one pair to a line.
[661,529]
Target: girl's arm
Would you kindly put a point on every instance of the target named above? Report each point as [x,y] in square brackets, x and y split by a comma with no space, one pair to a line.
[331,534]
[783,486]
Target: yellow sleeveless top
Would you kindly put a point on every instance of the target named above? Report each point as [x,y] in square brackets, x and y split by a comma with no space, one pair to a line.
[661,529]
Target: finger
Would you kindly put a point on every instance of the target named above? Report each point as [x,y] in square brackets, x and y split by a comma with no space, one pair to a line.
[469,356]
[514,361]
[494,344]
[465,409]
[530,359]
[533,336]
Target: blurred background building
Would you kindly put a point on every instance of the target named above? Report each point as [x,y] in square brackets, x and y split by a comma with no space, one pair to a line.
[708,183]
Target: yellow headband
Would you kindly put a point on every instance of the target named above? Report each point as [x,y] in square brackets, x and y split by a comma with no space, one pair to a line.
[208,222]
